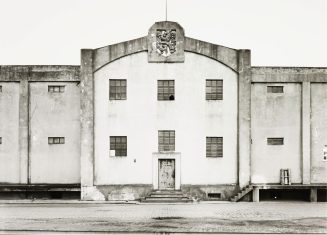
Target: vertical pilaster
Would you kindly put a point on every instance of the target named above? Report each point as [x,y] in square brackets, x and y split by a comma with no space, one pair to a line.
[313,195]
[244,117]
[256,195]
[88,190]
[23,132]
[306,133]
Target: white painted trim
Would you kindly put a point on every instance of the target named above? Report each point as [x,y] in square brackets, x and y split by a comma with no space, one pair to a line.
[155,168]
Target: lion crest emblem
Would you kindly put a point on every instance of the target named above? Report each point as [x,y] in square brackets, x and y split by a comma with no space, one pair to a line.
[165,44]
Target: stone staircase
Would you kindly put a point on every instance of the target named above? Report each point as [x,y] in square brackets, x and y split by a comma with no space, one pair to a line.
[242,193]
[166,196]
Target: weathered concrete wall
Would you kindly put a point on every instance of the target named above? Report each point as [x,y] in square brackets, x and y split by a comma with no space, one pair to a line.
[142,115]
[318,132]
[9,131]
[54,115]
[275,115]
[39,73]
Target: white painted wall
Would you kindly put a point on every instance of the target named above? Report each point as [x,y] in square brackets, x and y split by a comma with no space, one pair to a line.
[9,131]
[275,115]
[54,115]
[318,132]
[142,115]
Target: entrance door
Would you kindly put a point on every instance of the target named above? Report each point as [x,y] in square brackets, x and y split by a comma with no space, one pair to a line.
[167,174]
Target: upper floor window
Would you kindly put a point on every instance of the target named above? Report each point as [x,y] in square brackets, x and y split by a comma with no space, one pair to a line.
[214,146]
[214,89]
[56,140]
[56,89]
[0,88]
[0,140]
[166,90]
[275,89]
[275,141]
[166,141]
[118,144]
[117,89]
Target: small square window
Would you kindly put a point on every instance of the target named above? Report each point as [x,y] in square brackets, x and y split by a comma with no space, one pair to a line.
[214,89]
[166,90]
[275,141]
[56,140]
[214,146]
[117,89]
[119,144]
[275,89]
[166,141]
[56,89]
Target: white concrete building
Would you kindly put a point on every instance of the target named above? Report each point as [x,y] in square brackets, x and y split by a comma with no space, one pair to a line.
[165,114]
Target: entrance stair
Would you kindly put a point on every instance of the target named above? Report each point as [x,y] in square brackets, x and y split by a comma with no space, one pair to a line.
[242,193]
[166,196]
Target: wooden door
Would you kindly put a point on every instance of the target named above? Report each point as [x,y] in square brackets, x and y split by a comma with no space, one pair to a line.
[167,174]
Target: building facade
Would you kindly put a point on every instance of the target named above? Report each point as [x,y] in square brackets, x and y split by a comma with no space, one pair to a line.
[163,112]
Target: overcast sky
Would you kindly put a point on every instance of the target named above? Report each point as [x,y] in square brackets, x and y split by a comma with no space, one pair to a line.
[278,32]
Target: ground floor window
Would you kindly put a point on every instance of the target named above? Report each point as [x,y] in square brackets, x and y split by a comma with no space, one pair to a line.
[214,147]
[166,140]
[119,145]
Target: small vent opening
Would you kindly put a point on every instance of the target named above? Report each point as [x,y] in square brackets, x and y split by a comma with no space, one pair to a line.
[214,195]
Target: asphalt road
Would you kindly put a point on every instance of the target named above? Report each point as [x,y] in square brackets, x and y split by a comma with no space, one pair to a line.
[263,217]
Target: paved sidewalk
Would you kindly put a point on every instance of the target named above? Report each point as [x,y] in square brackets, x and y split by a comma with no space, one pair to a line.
[264,217]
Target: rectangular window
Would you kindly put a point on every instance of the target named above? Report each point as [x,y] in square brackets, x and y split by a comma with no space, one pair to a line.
[119,145]
[166,90]
[117,89]
[0,140]
[0,88]
[56,140]
[214,146]
[214,89]
[166,141]
[56,89]
[275,141]
[275,89]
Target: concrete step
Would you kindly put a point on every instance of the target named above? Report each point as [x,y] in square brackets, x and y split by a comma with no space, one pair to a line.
[166,200]
[162,196]
[166,195]
[167,192]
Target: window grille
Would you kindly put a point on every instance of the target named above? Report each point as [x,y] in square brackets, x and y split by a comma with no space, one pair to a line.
[117,89]
[214,146]
[166,90]
[56,140]
[275,141]
[56,89]
[119,145]
[166,141]
[275,89]
[214,89]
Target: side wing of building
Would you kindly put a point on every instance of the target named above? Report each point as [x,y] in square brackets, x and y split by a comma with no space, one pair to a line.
[40,125]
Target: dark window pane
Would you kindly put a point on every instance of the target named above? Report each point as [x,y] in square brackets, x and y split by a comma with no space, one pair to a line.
[119,144]
[214,147]
[214,89]
[117,89]
[275,141]
[166,90]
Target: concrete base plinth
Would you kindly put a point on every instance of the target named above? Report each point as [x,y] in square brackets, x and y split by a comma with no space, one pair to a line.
[255,195]
[313,195]
[91,193]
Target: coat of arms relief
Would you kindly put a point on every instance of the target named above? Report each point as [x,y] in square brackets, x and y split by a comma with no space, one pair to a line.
[165,43]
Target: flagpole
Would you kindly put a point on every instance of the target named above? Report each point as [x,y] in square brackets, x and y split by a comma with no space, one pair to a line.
[166,10]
